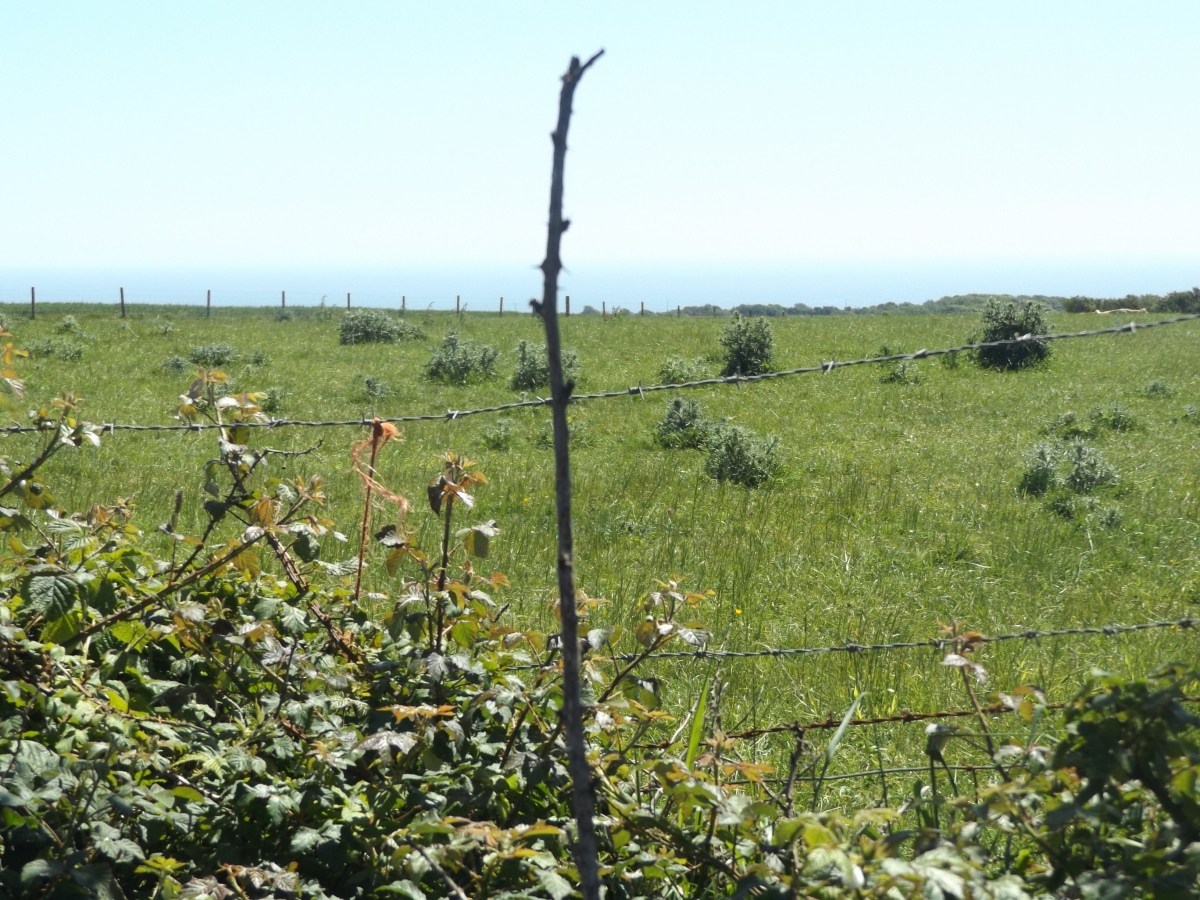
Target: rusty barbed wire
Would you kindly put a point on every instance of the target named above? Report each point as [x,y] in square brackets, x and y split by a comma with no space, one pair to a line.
[636,391]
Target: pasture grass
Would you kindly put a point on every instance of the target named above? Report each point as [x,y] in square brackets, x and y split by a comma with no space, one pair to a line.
[897,508]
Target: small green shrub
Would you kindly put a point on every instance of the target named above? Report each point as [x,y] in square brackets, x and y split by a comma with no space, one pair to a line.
[273,401]
[258,358]
[949,360]
[283,315]
[209,355]
[499,435]
[1087,469]
[166,328]
[676,370]
[1041,470]
[749,346]
[56,348]
[69,325]
[903,373]
[375,326]
[737,455]
[1004,320]
[457,361]
[1157,388]
[376,388]
[174,365]
[684,426]
[1114,417]
[1067,426]
[533,367]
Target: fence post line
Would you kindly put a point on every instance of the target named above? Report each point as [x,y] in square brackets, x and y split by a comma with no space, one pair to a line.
[347,299]
[568,304]
[501,306]
[603,310]
[403,303]
[283,299]
[643,312]
[457,304]
[32,303]
[583,797]
[678,311]
[122,303]
[208,303]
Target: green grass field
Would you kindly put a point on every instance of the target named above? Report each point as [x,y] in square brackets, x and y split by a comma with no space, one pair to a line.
[897,508]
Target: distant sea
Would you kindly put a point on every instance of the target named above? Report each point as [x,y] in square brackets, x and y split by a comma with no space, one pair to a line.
[661,286]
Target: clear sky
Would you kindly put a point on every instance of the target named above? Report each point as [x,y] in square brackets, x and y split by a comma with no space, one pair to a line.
[385,133]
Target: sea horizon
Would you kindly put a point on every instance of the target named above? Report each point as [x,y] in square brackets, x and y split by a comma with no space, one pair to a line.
[660,286]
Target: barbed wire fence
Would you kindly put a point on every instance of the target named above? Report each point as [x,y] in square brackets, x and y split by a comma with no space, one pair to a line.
[639,390]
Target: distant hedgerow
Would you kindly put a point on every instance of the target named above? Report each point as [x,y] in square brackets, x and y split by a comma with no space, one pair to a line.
[457,361]
[375,326]
[749,346]
[738,455]
[1005,320]
[533,367]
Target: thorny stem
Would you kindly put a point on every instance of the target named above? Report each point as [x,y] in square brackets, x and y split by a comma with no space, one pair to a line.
[376,434]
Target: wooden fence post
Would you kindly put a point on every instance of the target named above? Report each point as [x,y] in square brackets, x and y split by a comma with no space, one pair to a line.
[603,310]
[32,303]
[122,303]
[208,303]
[643,312]
[678,311]
[283,299]
[457,307]
[347,299]
[403,303]
[568,304]
[501,306]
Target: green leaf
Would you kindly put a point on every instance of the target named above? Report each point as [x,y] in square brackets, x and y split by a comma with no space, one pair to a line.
[183,792]
[211,486]
[38,869]
[697,725]
[554,884]
[307,547]
[62,628]
[831,748]
[52,596]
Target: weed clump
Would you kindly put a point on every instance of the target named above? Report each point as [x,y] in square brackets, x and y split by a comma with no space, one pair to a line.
[57,348]
[375,326]
[684,426]
[375,388]
[1087,469]
[737,455]
[272,400]
[1114,417]
[209,355]
[258,358]
[69,325]
[903,373]
[676,370]
[1067,426]
[1157,388]
[749,346]
[1041,470]
[500,435]
[174,365]
[533,367]
[1004,320]
[457,361]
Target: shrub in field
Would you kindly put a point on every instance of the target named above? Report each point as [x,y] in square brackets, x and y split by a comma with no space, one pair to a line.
[376,388]
[1086,468]
[375,326]
[69,325]
[1157,388]
[902,373]
[1114,417]
[1041,469]
[258,358]
[165,328]
[457,361]
[1004,320]
[1067,426]
[676,370]
[949,360]
[56,348]
[500,435]
[684,425]
[533,367]
[738,455]
[272,399]
[749,346]
[210,355]
[174,365]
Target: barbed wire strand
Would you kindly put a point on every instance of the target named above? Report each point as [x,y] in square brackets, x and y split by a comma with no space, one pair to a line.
[637,390]
[934,643]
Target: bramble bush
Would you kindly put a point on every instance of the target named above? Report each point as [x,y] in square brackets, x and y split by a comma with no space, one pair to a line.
[1004,320]
[228,717]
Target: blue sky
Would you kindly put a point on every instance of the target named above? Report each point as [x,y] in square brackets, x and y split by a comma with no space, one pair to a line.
[387,134]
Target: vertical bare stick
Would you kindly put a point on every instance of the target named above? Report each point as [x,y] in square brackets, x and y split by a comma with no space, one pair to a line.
[403,303]
[568,305]
[603,309]
[643,312]
[583,798]
[208,303]
[122,303]
[32,303]
[347,299]
[501,306]
[457,304]
[283,299]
